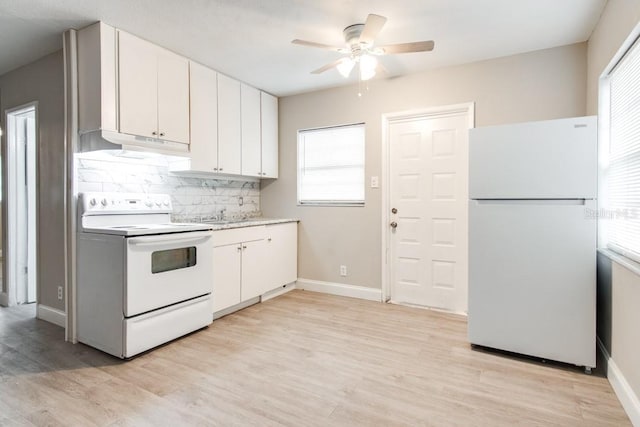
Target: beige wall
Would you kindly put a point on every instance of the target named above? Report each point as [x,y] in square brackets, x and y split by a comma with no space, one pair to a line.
[618,287]
[43,81]
[618,18]
[625,324]
[546,84]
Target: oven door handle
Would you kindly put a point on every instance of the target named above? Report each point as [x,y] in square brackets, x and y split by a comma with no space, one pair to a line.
[170,238]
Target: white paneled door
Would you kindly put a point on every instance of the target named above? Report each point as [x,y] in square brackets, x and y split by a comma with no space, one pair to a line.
[428,199]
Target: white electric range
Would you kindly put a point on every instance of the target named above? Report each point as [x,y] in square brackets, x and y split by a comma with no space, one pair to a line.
[142,279]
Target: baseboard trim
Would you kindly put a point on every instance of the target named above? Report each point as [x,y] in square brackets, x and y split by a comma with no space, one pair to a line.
[234,308]
[621,387]
[51,315]
[278,291]
[4,299]
[340,289]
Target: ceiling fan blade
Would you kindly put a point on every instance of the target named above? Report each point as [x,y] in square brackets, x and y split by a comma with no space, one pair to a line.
[381,69]
[425,46]
[328,66]
[318,45]
[372,28]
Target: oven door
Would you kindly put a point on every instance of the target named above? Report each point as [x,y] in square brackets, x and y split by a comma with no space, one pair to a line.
[165,269]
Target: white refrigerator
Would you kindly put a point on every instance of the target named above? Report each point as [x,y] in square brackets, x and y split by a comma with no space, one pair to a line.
[532,239]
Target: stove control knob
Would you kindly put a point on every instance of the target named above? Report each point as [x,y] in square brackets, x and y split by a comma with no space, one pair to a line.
[158,204]
[104,202]
[93,202]
[149,203]
[166,203]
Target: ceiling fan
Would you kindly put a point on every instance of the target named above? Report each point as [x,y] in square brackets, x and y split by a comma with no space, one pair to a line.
[359,39]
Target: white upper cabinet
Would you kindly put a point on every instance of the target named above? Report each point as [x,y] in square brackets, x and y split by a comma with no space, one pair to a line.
[251,133]
[129,88]
[204,118]
[138,88]
[229,126]
[173,97]
[269,131]
[153,90]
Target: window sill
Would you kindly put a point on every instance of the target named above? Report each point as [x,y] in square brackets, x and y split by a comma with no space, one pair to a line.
[627,263]
[331,205]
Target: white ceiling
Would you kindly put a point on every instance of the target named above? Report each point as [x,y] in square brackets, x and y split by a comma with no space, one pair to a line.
[250,39]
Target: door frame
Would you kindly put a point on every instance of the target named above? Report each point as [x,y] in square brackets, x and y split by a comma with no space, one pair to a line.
[467,108]
[11,200]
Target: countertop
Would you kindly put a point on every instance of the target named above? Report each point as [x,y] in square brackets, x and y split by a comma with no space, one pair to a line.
[250,222]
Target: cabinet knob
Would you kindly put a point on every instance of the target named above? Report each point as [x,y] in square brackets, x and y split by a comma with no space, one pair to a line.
[220,169]
[215,169]
[269,239]
[244,247]
[154,133]
[161,133]
[239,248]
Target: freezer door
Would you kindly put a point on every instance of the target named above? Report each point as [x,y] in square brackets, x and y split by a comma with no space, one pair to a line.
[532,278]
[539,160]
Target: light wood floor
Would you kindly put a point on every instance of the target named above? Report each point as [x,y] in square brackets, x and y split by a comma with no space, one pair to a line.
[303,359]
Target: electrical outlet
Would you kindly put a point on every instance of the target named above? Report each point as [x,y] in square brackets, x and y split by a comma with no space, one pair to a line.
[343,270]
[374,182]
[60,292]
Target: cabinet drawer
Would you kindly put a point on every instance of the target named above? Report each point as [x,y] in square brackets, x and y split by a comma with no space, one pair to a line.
[237,235]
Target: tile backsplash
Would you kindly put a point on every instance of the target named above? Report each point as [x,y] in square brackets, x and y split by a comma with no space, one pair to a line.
[193,198]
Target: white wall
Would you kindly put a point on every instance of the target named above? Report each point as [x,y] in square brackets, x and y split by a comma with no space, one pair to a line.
[546,84]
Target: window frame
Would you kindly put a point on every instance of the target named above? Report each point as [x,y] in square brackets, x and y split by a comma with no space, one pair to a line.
[330,203]
[605,215]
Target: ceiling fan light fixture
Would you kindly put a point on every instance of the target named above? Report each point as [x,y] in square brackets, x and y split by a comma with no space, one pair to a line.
[368,66]
[345,67]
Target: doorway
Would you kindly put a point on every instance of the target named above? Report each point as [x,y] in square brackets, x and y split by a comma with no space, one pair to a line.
[425,229]
[22,141]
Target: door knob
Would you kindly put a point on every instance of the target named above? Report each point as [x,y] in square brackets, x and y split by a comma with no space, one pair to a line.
[394,211]
[394,224]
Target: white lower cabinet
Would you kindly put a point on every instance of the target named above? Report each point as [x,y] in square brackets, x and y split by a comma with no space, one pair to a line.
[226,276]
[282,255]
[254,260]
[249,262]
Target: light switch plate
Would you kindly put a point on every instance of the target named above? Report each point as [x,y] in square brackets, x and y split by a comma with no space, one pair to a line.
[374,182]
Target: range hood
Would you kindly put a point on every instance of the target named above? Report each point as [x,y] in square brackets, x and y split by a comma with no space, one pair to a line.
[100,140]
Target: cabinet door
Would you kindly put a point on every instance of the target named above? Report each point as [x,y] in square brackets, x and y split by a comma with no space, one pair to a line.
[254,263]
[173,97]
[226,276]
[269,128]
[229,130]
[137,86]
[204,118]
[250,121]
[282,253]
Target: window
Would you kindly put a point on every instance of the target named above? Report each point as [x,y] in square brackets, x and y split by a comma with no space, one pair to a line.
[621,155]
[331,166]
